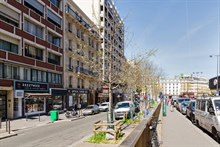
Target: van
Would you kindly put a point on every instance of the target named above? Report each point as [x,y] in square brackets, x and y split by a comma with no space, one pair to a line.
[207,115]
[121,108]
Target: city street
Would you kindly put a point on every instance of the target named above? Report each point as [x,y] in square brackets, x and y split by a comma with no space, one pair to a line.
[179,131]
[57,134]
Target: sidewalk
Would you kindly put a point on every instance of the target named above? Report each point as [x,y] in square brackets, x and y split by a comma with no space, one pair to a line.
[178,131]
[31,122]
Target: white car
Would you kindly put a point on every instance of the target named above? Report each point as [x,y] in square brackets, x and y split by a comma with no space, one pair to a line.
[121,108]
[104,106]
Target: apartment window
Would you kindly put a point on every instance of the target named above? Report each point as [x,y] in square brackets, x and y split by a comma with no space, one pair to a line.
[70,80]
[35,6]
[33,29]
[7,46]
[54,59]
[70,45]
[78,83]
[70,27]
[1,70]
[33,52]
[78,33]
[27,74]
[82,36]
[89,41]
[8,19]
[56,3]
[49,77]
[54,39]
[53,18]
[34,75]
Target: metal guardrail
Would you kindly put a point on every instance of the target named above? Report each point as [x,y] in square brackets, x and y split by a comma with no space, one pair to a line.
[140,136]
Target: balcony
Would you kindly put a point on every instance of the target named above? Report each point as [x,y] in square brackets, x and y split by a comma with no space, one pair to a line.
[81,70]
[53,61]
[70,67]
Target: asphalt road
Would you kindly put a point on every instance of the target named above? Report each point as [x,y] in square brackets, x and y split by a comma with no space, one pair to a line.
[58,134]
[178,131]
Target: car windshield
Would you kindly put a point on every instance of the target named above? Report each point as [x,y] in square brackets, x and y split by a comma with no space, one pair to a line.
[186,100]
[180,100]
[122,105]
[104,104]
[217,105]
[89,107]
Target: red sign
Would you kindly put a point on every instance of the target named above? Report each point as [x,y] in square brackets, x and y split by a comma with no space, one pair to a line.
[105,87]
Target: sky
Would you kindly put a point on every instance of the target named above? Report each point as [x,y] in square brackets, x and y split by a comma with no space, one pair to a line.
[184,32]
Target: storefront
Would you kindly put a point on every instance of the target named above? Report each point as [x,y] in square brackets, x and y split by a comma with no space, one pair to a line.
[57,99]
[30,98]
[78,96]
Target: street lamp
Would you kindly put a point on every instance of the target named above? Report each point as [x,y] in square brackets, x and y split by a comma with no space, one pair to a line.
[217,92]
[197,73]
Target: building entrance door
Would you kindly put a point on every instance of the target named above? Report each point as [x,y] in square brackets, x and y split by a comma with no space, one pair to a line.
[3,107]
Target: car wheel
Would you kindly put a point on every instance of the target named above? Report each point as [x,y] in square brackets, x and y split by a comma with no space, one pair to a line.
[197,124]
[191,118]
[215,135]
[93,112]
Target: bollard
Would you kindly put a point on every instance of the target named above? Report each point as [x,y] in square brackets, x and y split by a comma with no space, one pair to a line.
[9,126]
[164,109]
[26,117]
[39,117]
[6,121]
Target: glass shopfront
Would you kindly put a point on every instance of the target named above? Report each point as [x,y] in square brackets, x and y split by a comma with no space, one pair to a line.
[35,104]
[55,103]
[78,96]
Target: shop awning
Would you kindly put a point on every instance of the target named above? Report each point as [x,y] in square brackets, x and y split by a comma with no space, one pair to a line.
[36,94]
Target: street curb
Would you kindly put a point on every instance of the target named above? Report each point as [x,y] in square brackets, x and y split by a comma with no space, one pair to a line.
[9,135]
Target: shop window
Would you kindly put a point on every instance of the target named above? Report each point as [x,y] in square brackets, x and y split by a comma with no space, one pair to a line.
[58,103]
[34,104]
[15,104]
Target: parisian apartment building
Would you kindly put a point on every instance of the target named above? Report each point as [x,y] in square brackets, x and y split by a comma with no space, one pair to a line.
[82,59]
[106,17]
[48,57]
[185,85]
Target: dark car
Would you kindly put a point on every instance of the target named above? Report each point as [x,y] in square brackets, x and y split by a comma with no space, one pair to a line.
[190,110]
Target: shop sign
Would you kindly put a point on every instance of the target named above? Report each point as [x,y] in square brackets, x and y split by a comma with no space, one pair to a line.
[19,93]
[29,86]
[81,91]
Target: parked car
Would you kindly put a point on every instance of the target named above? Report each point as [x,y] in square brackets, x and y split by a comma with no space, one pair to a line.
[179,101]
[183,106]
[190,110]
[121,108]
[104,106]
[90,109]
[207,115]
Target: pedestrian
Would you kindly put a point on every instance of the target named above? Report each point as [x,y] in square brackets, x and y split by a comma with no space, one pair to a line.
[75,107]
[79,108]
[171,106]
[147,109]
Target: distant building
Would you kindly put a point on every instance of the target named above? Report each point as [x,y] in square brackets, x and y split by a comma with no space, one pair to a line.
[185,85]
